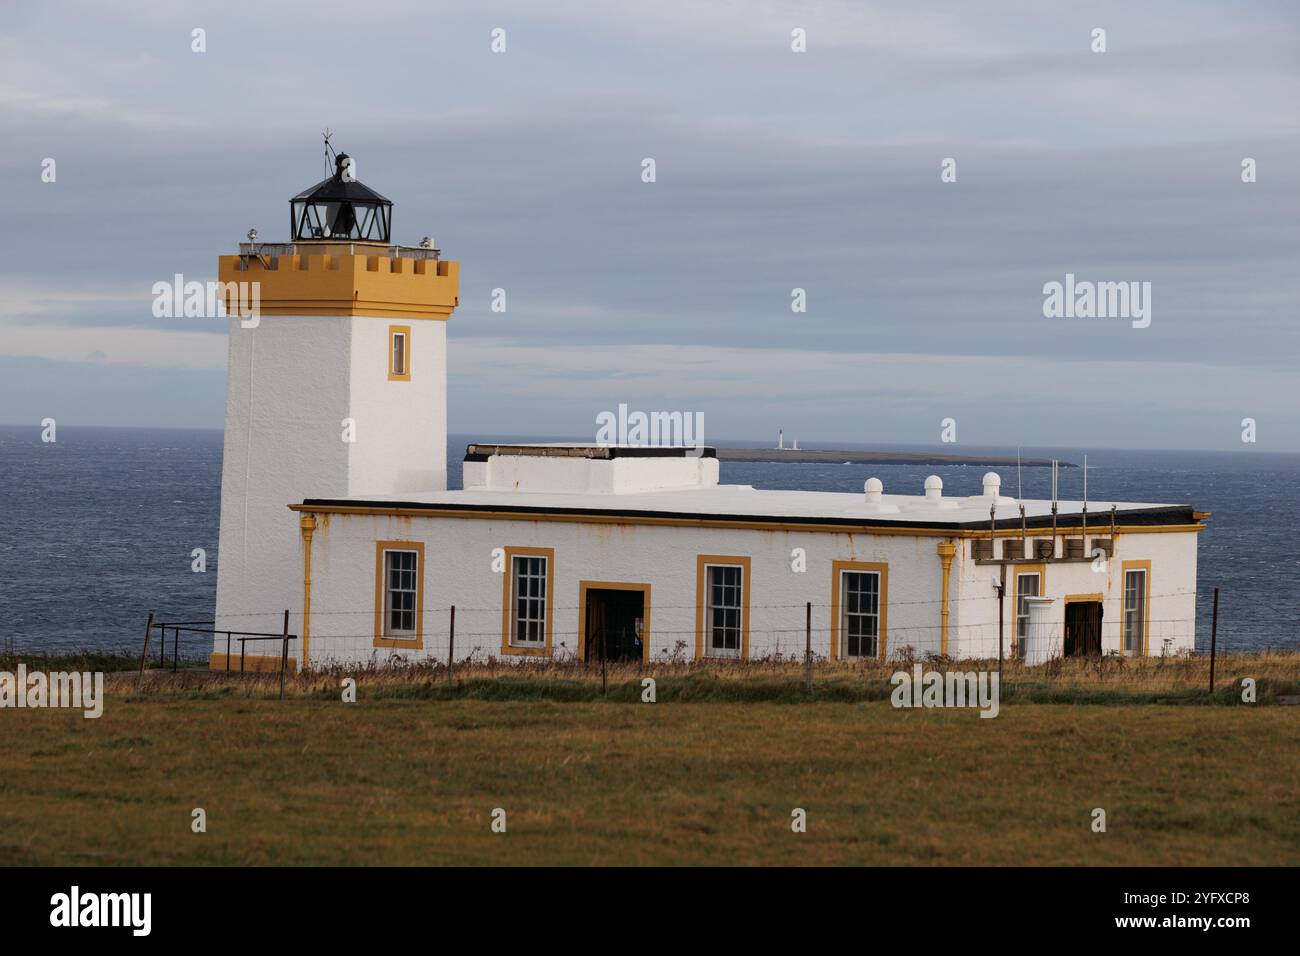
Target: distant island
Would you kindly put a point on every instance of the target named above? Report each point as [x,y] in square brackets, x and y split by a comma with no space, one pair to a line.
[877,457]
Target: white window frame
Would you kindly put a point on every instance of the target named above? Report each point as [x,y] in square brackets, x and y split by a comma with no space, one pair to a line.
[393,366]
[1134,619]
[1022,606]
[846,614]
[390,632]
[709,607]
[540,600]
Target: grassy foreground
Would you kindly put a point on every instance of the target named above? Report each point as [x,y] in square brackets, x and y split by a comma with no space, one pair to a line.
[405,780]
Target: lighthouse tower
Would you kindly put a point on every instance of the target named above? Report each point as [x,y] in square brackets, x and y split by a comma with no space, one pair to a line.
[336,387]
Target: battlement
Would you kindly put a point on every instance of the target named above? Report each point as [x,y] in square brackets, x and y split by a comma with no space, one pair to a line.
[348,283]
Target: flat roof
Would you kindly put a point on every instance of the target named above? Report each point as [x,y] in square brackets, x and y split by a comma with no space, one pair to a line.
[745,503]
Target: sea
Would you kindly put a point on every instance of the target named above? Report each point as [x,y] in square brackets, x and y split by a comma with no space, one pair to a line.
[100,527]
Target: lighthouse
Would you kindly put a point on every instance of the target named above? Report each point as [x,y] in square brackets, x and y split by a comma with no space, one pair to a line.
[336,388]
[334,507]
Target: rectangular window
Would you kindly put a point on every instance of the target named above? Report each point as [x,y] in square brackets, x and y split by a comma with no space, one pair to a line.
[401,589]
[1027,586]
[1135,611]
[860,613]
[724,613]
[399,357]
[859,610]
[399,354]
[528,600]
[399,594]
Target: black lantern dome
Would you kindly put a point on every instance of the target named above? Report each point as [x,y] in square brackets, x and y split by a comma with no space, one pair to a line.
[340,209]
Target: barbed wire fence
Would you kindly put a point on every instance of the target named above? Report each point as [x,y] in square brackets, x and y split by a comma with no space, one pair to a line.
[778,635]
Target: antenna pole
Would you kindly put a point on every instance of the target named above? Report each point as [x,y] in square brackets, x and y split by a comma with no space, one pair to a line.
[993,528]
[1083,526]
[1054,464]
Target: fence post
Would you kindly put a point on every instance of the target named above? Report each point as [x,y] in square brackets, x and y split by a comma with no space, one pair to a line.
[227,652]
[1214,636]
[807,650]
[144,651]
[451,646]
[176,647]
[604,659]
[284,651]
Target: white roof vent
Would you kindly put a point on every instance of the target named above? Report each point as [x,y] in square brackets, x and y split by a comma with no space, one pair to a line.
[992,492]
[933,497]
[875,503]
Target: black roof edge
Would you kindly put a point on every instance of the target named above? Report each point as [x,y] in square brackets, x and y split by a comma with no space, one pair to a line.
[334,189]
[473,452]
[1099,523]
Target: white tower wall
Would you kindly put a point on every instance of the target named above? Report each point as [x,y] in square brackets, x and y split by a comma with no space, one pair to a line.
[401,441]
[292,381]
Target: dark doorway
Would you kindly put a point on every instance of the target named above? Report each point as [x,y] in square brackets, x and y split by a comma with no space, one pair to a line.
[615,621]
[1083,629]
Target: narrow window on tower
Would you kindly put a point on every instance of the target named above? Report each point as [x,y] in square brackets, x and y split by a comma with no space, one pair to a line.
[399,353]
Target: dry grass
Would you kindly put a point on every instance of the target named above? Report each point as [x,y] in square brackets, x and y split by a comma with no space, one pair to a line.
[1183,678]
[317,781]
[709,774]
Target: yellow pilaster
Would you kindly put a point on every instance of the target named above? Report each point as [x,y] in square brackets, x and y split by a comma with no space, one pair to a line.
[307,524]
[947,550]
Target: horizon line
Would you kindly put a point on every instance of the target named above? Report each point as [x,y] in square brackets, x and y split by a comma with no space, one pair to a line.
[816,444]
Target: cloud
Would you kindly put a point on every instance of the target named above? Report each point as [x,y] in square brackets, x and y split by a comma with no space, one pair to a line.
[88,110]
[861,396]
[115,345]
[776,170]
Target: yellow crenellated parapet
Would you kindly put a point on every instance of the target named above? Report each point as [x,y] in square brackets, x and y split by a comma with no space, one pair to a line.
[348,284]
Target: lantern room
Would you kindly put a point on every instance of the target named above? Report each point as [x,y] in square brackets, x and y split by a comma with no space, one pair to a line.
[340,209]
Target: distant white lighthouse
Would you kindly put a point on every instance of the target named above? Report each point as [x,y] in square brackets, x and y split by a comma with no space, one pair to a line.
[338,389]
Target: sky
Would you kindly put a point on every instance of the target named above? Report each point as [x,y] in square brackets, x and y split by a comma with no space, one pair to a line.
[774,170]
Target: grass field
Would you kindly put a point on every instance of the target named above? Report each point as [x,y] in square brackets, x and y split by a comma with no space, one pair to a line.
[403,778]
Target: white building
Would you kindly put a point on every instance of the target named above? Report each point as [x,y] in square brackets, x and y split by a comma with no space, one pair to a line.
[334,506]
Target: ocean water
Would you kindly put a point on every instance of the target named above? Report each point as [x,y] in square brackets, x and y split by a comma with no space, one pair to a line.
[99,528]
